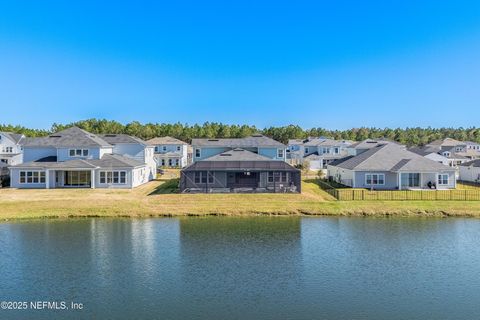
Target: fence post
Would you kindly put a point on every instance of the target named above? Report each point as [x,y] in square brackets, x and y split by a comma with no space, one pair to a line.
[465,194]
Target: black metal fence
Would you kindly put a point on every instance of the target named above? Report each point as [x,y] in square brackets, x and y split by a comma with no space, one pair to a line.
[347,194]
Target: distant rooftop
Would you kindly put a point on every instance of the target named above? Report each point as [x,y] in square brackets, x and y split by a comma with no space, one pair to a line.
[256,140]
[165,141]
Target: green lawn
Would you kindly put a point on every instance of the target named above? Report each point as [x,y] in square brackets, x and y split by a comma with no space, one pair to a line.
[160,198]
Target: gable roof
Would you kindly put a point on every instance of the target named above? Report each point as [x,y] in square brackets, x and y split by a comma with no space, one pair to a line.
[247,142]
[17,138]
[390,157]
[165,140]
[447,142]
[114,138]
[237,154]
[372,143]
[71,137]
[107,161]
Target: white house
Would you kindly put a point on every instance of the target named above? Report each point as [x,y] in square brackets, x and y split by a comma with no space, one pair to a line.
[75,158]
[318,152]
[11,150]
[170,152]
[470,171]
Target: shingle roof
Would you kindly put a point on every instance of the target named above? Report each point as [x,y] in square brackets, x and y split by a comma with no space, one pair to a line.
[248,142]
[390,157]
[107,161]
[165,140]
[372,143]
[115,161]
[237,154]
[121,138]
[447,142]
[473,163]
[17,138]
[71,137]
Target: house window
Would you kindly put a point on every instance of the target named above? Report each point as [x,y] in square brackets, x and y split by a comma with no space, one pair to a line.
[410,180]
[198,153]
[78,152]
[270,177]
[170,162]
[201,177]
[325,150]
[177,162]
[375,179]
[306,150]
[156,149]
[178,148]
[443,179]
[163,162]
[164,148]
[33,177]
[113,177]
[337,150]
[280,153]
[4,161]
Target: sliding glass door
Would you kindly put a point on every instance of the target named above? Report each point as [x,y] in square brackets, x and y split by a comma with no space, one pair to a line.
[410,180]
[77,179]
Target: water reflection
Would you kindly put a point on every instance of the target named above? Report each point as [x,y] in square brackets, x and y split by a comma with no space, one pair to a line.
[245,268]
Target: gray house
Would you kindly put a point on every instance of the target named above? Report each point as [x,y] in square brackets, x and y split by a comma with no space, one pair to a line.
[251,164]
[390,166]
[75,158]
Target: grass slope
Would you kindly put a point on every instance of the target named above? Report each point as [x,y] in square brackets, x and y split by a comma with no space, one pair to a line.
[158,198]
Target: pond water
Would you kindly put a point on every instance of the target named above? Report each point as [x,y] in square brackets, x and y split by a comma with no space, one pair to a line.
[243,268]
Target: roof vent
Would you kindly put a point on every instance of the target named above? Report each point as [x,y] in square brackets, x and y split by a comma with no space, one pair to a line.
[237,149]
[225,155]
[213,140]
[257,135]
[110,135]
[372,142]
[53,136]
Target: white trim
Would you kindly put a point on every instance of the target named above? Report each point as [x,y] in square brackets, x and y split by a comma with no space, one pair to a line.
[443,184]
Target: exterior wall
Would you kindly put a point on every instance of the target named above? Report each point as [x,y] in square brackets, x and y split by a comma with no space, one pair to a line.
[99,185]
[15,180]
[272,153]
[470,173]
[131,150]
[208,152]
[433,177]
[33,153]
[63,153]
[340,175]
[391,180]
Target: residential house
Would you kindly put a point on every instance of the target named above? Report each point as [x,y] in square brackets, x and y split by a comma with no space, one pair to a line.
[318,152]
[390,166]
[251,164]
[170,152]
[75,158]
[470,171]
[11,149]
[455,152]
[359,147]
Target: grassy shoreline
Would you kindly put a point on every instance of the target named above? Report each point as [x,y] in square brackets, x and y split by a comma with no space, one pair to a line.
[156,199]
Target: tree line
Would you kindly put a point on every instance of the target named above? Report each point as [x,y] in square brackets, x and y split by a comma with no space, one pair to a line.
[186,132]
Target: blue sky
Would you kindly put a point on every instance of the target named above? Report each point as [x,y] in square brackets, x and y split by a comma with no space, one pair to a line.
[332,64]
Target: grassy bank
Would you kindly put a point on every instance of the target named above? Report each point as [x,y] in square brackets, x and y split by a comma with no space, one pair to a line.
[157,198]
